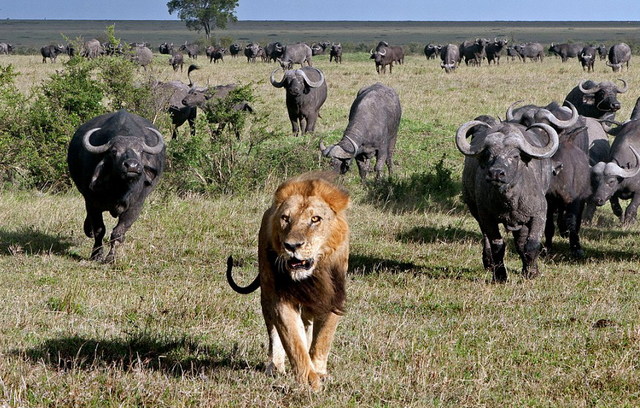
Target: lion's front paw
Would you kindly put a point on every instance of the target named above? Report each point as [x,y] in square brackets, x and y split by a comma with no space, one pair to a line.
[272,369]
[315,381]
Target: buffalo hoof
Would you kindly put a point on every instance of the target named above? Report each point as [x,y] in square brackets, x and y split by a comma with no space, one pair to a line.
[97,254]
[530,272]
[577,253]
[110,258]
[500,275]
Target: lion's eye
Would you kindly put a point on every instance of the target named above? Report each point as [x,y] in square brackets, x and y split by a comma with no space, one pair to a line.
[285,218]
[315,219]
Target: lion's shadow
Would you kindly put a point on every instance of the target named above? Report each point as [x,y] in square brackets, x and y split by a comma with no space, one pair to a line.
[181,357]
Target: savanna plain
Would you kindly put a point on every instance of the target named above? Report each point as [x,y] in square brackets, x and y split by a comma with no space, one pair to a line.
[424,324]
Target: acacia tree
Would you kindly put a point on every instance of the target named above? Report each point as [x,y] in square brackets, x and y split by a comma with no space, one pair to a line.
[204,15]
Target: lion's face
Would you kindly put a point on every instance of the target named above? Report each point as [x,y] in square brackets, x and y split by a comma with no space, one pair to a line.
[306,228]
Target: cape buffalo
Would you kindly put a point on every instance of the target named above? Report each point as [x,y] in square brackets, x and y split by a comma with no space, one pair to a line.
[619,55]
[506,175]
[234,50]
[166,48]
[142,56]
[273,51]
[215,54]
[587,58]
[169,96]
[251,51]
[306,91]
[5,48]
[192,50]
[386,55]
[336,53]
[92,49]
[176,61]
[115,161]
[494,50]
[566,51]
[619,177]
[450,56]
[474,51]
[431,51]
[534,51]
[51,52]
[596,100]
[374,119]
[295,54]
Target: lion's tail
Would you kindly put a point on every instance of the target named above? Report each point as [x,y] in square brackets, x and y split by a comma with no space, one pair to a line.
[243,290]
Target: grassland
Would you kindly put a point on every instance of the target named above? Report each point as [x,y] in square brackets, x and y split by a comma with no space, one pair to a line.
[30,35]
[424,325]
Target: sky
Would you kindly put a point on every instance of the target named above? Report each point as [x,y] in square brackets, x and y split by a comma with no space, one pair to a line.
[358,10]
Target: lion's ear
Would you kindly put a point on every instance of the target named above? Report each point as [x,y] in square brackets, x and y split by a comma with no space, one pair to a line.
[335,197]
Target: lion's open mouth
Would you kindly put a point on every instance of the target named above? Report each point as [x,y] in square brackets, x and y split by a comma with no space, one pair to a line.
[297,264]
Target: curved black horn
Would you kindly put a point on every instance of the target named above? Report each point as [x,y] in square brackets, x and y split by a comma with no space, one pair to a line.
[91,148]
[563,124]
[157,148]
[541,152]
[510,110]
[273,79]
[312,84]
[626,87]
[461,138]
[588,91]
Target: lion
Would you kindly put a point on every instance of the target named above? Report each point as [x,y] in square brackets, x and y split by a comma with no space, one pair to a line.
[303,255]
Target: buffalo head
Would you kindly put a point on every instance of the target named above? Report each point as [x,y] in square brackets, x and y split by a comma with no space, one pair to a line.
[602,95]
[607,177]
[295,81]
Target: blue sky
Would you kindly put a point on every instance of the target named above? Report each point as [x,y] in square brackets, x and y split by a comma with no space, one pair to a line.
[417,10]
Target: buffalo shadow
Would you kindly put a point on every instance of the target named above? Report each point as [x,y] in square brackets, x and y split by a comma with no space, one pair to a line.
[433,190]
[179,358]
[31,241]
[368,265]
[448,234]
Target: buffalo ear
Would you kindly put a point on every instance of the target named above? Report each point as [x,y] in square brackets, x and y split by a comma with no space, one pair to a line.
[588,99]
[96,175]
[557,168]
[150,169]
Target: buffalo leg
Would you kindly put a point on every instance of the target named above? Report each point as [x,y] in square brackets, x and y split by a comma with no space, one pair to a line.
[294,125]
[632,210]
[528,247]
[125,220]
[549,228]
[573,217]
[615,206]
[311,123]
[493,251]
[363,167]
[94,228]
[380,161]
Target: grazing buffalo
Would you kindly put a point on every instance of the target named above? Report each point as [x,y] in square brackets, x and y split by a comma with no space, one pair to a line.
[306,91]
[176,61]
[603,51]
[92,49]
[336,53]
[207,99]
[115,161]
[320,48]
[374,119]
[215,54]
[473,51]
[273,51]
[619,55]
[169,97]
[51,52]
[234,50]
[299,53]
[192,50]
[506,175]
[566,51]
[619,177]
[386,55]
[166,48]
[450,56]
[494,50]
[142,56]
[596,100]
[251,51]
[431,51]
[533,50]
[587,58]
[5,48]
[511,52]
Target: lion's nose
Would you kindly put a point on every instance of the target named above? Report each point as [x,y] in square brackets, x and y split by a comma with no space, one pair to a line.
[292,246]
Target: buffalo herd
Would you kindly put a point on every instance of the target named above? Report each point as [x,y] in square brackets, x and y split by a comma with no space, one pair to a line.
[540,167]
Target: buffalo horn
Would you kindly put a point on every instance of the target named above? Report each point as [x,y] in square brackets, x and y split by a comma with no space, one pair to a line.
[510,110]
[461,138]
[91,148]
[309,82]
[541,152]
[588,91]
[382,52]
[625,88]
[157,148]
[563,124]
[273,79]
[613,169]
